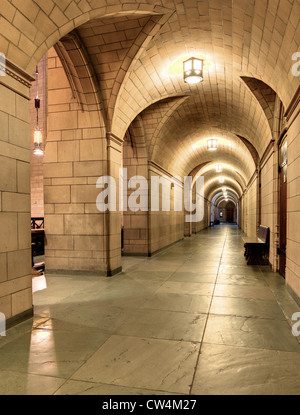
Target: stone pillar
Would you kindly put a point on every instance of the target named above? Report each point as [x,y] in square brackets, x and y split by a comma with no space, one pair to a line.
[113,220]
[76,155]
[136,234]
[15,234]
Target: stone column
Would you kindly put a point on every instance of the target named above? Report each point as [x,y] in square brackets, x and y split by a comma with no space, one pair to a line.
[113,220]
[75,157]
[15,234]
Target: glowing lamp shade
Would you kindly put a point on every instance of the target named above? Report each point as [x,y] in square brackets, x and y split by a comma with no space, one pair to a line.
[219,168]
[37,142]
[212,145]
[193,71]
[221,180]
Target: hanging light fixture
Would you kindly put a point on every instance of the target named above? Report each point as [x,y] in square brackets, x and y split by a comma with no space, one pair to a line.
[37,133]
[219,168]
[212,145]
[221,180]
[193,71]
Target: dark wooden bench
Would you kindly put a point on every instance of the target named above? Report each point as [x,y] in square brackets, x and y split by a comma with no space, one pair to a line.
[256,249]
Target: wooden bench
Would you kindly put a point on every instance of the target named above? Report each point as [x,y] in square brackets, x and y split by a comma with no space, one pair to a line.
[256,249]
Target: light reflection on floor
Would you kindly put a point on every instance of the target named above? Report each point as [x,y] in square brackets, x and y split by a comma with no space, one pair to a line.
[193,319]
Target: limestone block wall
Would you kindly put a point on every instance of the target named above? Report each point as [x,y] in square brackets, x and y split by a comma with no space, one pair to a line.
[204,223]
[241,213]
[36,161]
[244,214]
[136,234]
[76,155]
[165,228]
[269,201]
[250,211]
[293,206]
[15,236]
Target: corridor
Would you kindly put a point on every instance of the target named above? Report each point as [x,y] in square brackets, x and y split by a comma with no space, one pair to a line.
[193,319]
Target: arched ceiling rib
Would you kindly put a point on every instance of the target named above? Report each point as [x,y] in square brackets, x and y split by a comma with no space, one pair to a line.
[222,200]
[214,194]
[136,49]
[227,169]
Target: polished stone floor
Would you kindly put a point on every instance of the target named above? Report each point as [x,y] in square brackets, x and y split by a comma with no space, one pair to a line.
[193,319]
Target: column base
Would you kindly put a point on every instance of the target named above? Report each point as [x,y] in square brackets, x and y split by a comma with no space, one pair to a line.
[19,318]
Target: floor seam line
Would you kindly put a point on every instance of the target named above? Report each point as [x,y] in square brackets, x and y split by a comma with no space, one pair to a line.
[208,313]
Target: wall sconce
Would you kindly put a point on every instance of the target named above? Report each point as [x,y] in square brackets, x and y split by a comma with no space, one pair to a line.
[193,71]
[37,134]
[212,145]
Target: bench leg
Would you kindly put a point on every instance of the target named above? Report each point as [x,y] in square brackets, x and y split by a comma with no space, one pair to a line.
[255,256]
[255,260]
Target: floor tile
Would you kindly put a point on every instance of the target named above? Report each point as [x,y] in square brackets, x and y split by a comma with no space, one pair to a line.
[56,348]
[224,370]
[160,324]
[186,288]
[250,332]
[141,331]
[193,277]
[242,291]
[186,303]
[75,387]
[16,383]
[246,307]
[142,363]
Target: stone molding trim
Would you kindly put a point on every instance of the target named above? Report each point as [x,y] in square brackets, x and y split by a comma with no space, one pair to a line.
[17,73]
[293,105]
[156,168]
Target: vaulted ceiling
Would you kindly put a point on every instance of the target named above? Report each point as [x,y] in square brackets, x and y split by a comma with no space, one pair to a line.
[135,51]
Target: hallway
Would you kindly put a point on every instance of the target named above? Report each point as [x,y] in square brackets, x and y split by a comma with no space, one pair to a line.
[193,319]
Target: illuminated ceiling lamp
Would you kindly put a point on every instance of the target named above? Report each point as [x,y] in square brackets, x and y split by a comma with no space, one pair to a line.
[221,180]
[37,133]
[193,71]
[212,145]
[219,168]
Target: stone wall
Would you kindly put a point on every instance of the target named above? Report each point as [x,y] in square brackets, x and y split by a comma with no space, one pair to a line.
[293,206]
[165,228]
[15,241]
[79,237]
[36,161]
[250,209]
[269,202]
